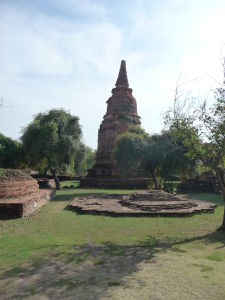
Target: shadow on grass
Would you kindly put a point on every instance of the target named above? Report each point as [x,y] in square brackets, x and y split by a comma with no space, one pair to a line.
[70,196]
[89,271]
[65,195]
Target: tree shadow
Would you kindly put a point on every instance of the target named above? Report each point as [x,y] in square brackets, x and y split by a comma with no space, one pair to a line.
[88,271]
[71,193]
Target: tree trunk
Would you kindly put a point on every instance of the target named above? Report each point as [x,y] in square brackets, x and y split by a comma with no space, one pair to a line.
[45,171]
[57,183]
[221,177]
[154,180]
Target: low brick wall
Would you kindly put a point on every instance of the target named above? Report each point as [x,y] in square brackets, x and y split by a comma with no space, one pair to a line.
[18,188]
[32,204]
[20,194]
[115,183]
[26,205]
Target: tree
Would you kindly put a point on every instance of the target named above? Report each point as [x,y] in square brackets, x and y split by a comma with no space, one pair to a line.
[202,131]
[176,161]
[84,160]
[154,156]
[12,154]
[129,150]
[52,141]
[158,155]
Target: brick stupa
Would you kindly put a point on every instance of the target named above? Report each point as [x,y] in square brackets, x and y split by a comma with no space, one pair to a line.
[121,114]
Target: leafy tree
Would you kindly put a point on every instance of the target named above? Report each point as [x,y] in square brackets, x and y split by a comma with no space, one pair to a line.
[155,154]
[129,150]
[52,141]
[176,160]
[12,154]
[164,156]
[202,131]
[159,155]
[84,160]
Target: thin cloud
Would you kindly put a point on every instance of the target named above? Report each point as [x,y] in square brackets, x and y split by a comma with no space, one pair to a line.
[67,53]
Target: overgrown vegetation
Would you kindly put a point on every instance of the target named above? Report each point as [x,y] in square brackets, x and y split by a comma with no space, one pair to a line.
[84,160]
[12,154]
[160,156]
[201,129]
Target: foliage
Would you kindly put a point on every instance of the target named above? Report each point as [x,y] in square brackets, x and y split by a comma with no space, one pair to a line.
[202,131]
[84,160]
[52,141]
[12,154]
[1,172]
[176,159]
[165,156]
[160,155]
[129,150]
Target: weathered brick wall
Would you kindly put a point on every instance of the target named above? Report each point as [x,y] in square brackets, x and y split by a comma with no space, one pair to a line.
[23,206]
[113,183]
[15,189]
[36,202]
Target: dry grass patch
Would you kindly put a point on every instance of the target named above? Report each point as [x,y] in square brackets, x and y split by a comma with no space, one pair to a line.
[56,254]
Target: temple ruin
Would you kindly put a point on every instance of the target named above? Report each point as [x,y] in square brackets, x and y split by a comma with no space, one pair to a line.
[20,194]
[141,204]
[120,115]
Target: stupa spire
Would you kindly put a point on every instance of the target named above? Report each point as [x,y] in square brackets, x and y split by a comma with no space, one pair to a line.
[122,77]
[120,115]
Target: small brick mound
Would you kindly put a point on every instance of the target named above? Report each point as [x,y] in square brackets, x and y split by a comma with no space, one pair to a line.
[154,203]
[20,194]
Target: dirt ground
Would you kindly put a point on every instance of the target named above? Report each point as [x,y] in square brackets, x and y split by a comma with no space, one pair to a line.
[58,254]
[117,272]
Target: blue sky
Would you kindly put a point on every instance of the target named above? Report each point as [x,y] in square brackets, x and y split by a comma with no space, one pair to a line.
[67,54]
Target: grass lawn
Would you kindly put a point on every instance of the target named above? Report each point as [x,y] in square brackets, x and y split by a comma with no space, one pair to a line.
[57,254]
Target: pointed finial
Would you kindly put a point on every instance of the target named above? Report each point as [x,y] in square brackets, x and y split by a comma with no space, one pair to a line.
[122,77]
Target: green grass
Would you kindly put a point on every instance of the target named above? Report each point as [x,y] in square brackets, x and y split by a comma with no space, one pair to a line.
[70,184]
[119,257]
[215,198]
[1,172]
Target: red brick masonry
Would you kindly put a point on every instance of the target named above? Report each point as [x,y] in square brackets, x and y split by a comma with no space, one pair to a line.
[18,188]
[19,198]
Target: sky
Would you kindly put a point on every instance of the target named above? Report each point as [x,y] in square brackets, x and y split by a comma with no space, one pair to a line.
[67,53]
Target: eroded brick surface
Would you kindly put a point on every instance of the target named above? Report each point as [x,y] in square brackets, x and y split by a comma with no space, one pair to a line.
[18,188]
[20,194]
[120,115]
[154,203]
